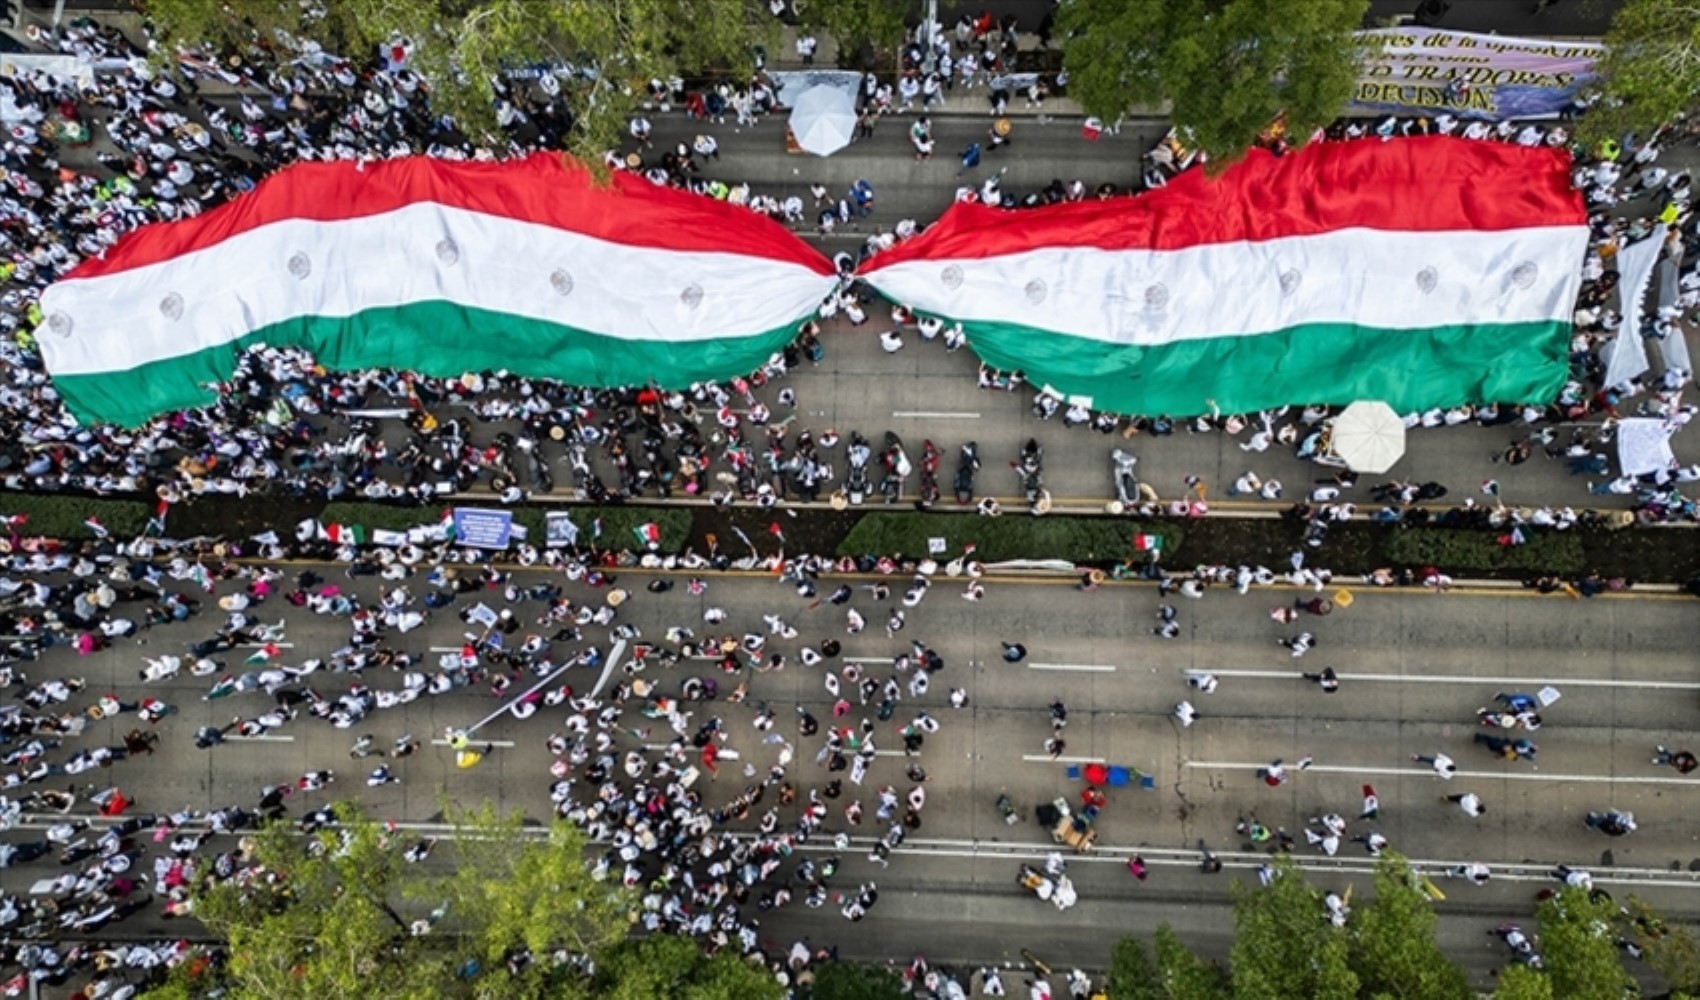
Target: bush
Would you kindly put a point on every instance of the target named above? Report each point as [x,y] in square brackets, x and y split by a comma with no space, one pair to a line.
[60,516]
[1456,550]
[617,522]
[1012,536]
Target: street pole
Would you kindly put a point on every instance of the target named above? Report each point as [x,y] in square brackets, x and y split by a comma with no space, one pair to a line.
[928,60]
[58,15]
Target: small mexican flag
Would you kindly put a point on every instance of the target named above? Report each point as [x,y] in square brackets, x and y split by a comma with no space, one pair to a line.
[1147,543]
[94,525]
[345,534]
[648,535]
[265,654]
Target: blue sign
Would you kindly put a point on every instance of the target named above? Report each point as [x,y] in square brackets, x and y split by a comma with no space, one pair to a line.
[478,528]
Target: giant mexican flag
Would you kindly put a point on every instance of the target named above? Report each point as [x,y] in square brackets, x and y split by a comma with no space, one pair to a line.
[438,267]
[1424,272]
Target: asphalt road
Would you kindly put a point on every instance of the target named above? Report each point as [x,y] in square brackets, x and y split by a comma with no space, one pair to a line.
[1416,666]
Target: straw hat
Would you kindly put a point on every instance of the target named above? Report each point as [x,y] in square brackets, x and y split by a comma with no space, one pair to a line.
[1114,507]
[557,432]
[1002,127]
[633,161]
[839,501]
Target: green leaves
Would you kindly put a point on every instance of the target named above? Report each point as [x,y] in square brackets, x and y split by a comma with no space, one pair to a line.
[1182,975]
[1651,69]
[1015,535]
[851,981]
[462,46]
[1519,982]
[865,30]
[676,968]
[339,914]
[1283,944]
[1579,945]
[1228,68]
[1393,950]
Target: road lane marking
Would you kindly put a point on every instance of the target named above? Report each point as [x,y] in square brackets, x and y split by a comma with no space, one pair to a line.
[494,743]
[936,414]
[1503,683]
[1040,758]
[263,645]
[259,738]
[1086,668]
[1390,772]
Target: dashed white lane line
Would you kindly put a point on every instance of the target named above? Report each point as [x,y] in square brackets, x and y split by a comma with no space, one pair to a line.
[1419,771]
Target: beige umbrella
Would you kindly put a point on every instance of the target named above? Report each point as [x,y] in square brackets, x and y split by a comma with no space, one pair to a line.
[1368,437]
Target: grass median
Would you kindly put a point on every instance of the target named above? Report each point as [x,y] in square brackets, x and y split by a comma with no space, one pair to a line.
[1458,551]
[1012,536]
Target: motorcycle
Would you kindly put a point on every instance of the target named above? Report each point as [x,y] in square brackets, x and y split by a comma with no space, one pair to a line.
[856,479]
[930,457]
[1057,889]
[1007,809]
[1127,484]
[967,463]
[897,467]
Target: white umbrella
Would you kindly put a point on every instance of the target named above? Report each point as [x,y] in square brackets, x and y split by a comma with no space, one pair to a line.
[823,120]
[1369,437]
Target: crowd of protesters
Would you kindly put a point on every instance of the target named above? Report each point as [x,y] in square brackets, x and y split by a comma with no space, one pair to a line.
[710,867]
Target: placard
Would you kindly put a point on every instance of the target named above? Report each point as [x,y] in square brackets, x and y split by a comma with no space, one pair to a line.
[481,528]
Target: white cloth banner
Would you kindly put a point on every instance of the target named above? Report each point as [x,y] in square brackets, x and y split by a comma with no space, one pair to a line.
[1643,446]
[1634,270]
[1674,344]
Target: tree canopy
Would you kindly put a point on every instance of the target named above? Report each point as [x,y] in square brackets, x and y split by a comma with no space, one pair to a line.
[1283,945]
[1227,68]
[851,981]
[859,27]
[1651,70]
[1393,950]
[460,47]
[1579,946]
[494,912]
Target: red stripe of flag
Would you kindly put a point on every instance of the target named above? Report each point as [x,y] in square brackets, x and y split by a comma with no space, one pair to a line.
[1423,184]
[545,188]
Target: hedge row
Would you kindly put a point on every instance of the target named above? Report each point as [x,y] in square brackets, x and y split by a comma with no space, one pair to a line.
[618,523]
[1461,551]
[1012,536]
[57,516]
